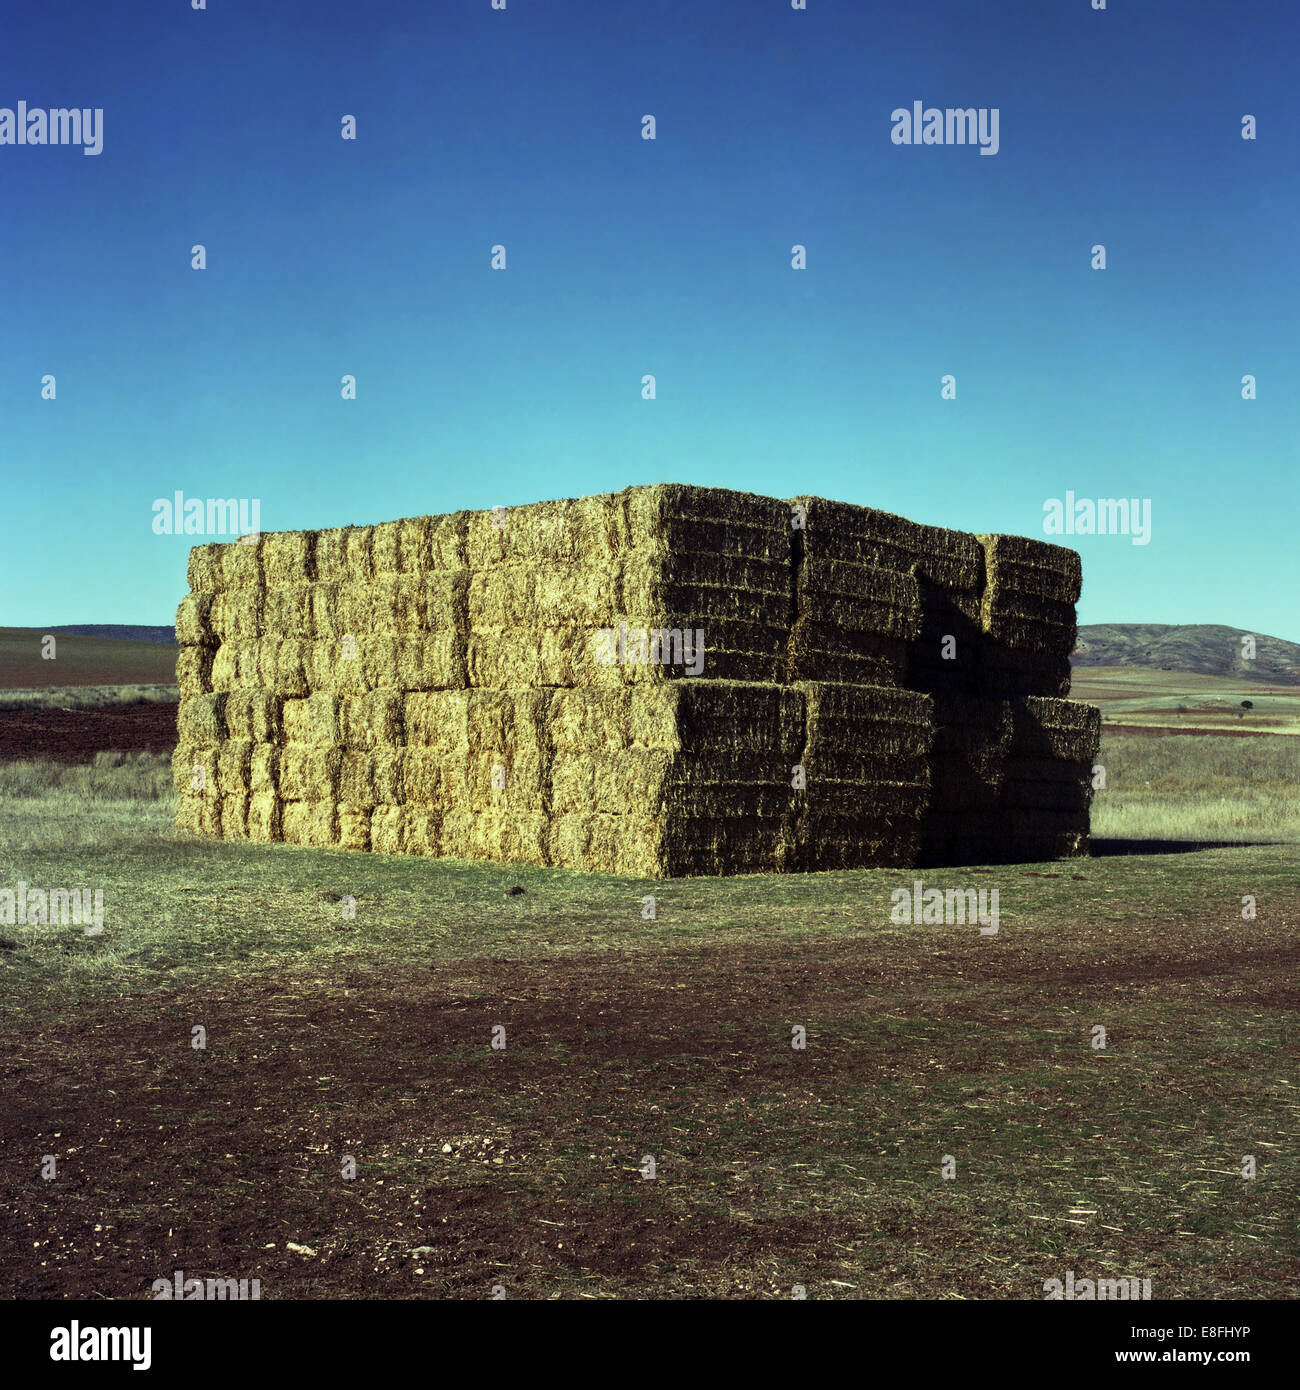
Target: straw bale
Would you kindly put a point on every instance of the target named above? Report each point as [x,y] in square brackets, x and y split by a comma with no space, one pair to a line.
[264,817]
[354,827]
[345,555]
[194,621]
[436,718]
[357,608]
[824,844]
[372,721]
[323,600]
[388,830]
[235,666]
[448,537]
[253,714]
[863,535]
[236,615]
[201,720]
[386,549]
[198,814]
[422,775]
[422,831]
[1030,635]
[203,570]
[283,666]
[234,760]
[234,817]
[419,545]
[289,559]
[313,722]
[1054,728]
[194,670]
[1033,567]
[1058,770]
[287,610]
[370,779]
[310,774]
[311,823]
[1026,794]
[264,768]
[1025,673]
[194,769]
[241,564]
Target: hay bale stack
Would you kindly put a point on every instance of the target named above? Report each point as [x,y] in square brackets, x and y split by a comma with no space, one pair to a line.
[1027,614]
[666,680]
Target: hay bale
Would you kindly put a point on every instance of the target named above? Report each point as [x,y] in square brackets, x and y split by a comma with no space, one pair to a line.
[194,769]
[372,721]
[310,823]
[264,817]
[194,670]
[198,815]
[241,564]
[203,570]
[388,830]
[237,615]
[234,816]
[310,774]
[313,721]
[201,720]
[288,558]
[1032,567]
[372,779]
[1055,729]
[354,827]
[194,621]
[253,714]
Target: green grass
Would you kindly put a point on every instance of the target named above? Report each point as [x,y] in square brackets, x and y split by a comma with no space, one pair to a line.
[87,697]
[1198,788]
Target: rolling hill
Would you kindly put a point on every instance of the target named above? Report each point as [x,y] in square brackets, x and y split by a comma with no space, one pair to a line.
[1193,648]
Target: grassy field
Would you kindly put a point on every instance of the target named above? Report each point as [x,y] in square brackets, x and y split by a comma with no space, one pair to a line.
[1137,697]
[332,1036]
[81,661]
[87,697]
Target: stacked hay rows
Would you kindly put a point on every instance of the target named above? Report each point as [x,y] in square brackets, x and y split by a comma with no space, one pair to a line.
[662,681]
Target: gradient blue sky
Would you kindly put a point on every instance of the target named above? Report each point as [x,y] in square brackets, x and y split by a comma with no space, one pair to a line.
[479,388]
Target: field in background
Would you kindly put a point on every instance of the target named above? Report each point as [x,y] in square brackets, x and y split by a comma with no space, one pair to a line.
[81,660]
[1167,701]
[332,1034]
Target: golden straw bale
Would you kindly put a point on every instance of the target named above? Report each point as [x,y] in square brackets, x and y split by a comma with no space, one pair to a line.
[234,817]
[241,564]
[194,621]
[309,774]
[354,827]
[201,720]
[264,768]
[372,779]
[289,559]
[198,814]
[194,769]
[264,817]
[253,714]
[203,570]
[194,670]
[437,719]
[313,721]
[236,615]
[388,830]
[311,823]
[234,759]
[371,721]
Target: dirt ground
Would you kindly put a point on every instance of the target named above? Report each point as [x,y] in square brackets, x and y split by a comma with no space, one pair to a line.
[75,736]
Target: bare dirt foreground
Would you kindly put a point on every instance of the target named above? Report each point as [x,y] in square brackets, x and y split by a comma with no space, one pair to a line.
[774,1167]
[76,735]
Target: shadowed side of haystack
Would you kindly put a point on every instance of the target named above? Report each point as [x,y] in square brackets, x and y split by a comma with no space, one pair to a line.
[667,680]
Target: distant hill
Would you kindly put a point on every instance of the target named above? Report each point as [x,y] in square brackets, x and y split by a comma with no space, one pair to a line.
[122,630]
[1206,649]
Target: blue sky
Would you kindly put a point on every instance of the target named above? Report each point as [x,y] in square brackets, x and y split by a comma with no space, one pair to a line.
[480,388]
